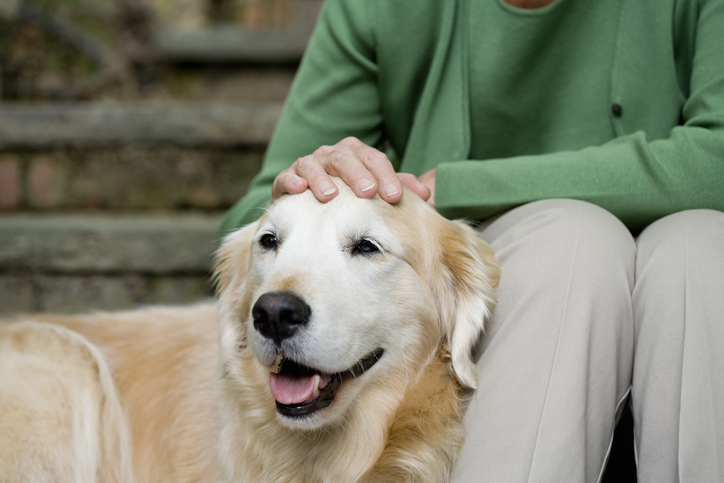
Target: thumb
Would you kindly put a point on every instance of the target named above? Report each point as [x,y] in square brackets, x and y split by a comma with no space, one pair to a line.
[411,182]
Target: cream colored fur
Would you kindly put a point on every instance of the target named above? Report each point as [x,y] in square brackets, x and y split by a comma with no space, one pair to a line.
[182,394]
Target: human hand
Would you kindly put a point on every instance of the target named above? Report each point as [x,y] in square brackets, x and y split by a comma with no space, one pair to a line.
[428,179]
[365,169]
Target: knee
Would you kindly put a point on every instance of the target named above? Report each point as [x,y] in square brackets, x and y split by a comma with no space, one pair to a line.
[561,235]
[596,231]
[679,279]
[679,236]
[680,260]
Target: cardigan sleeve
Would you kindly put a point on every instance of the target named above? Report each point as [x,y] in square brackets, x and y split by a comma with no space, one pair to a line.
[637,179]
[334,95]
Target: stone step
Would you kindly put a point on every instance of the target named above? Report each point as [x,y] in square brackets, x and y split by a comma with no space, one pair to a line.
[79,262]
[97,124]
[24,293]
[158,244]
[230,45]
[132,177]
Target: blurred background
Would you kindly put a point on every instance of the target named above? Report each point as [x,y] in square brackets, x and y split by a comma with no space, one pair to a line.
[127,128]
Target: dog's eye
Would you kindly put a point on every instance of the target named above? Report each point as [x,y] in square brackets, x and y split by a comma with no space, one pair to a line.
[365,247]
[269,241]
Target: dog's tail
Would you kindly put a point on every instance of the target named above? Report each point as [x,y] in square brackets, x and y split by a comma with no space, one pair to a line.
[61,418]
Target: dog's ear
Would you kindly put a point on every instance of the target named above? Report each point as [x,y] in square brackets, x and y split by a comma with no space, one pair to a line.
[231,273]
[466,294]
[233,258]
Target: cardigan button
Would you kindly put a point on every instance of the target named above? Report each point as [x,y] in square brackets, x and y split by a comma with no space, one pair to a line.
[617,110]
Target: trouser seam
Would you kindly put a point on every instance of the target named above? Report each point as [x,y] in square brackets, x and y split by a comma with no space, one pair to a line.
[683,337]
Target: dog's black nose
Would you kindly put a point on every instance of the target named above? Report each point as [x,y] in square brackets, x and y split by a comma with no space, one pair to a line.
[279,315]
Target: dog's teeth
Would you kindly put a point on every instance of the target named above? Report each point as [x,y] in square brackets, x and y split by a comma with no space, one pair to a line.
[317,379]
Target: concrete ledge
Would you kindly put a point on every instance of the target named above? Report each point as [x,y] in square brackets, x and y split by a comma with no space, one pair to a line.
[108,244]
[95,124]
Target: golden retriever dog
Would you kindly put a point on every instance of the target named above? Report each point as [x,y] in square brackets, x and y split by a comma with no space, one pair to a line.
[339,351]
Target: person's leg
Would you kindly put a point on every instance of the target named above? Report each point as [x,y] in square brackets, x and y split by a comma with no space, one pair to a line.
[678,378]
[556,364]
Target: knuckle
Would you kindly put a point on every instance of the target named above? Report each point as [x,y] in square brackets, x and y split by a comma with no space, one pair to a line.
[376,158]
[339,158]
[303,162]
[323,150]
[350,141]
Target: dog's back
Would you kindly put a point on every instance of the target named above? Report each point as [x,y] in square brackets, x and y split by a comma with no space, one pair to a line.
[109,397]
[60,414]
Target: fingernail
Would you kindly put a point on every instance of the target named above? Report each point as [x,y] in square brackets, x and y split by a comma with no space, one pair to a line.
[366,185]
[391,190]
[327,188]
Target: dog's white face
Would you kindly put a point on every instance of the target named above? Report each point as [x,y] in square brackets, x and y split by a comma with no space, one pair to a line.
[339,299]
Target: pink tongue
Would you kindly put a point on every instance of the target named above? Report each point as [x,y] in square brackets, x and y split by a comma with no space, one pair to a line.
[291,390]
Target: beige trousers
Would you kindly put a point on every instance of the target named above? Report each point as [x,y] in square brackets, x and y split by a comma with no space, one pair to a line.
[588,316]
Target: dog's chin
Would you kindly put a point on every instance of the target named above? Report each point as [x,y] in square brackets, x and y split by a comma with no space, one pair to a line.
[304,396]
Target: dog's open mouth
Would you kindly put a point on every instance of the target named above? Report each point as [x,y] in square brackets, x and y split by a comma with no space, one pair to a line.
[300,390]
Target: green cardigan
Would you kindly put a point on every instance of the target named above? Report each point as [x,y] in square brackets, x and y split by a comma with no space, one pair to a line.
[396,73]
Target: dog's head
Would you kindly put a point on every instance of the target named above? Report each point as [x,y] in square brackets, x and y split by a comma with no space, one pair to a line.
[332,301]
